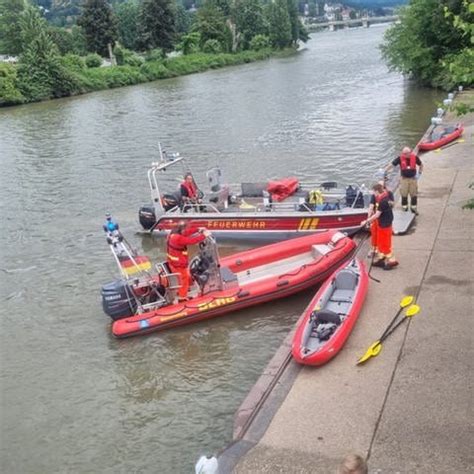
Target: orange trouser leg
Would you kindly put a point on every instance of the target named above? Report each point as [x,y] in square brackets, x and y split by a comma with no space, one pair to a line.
[374,227]
[384,241]
[184,277]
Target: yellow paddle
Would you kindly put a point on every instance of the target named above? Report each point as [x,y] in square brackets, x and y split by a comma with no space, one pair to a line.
[376,347]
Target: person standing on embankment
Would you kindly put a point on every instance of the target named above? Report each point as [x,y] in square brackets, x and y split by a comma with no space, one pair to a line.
[408,161]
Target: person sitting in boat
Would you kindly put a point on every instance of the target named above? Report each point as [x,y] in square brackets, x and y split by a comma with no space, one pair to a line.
[189,191]
[177,252]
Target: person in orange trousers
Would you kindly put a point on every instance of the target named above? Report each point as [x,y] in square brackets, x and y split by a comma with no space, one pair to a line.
[374,227]
[177,253]
[382,235]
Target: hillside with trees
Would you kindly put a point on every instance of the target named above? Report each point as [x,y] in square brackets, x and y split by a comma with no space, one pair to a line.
[137,37]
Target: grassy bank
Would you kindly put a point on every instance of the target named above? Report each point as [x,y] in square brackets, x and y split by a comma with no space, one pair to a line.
[16,88]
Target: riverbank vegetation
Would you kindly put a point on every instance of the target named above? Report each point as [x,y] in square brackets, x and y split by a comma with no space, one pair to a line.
[145,41]
[433,42]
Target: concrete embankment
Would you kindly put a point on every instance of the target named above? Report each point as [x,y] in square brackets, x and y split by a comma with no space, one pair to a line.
[410,408]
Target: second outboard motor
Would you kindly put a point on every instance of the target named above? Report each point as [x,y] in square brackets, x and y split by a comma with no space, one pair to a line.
[117,300]
[147,217]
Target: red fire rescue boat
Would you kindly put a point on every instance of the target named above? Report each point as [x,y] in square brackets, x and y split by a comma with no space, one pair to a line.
[329,318]
[270,211]
[145,298]
[440,136]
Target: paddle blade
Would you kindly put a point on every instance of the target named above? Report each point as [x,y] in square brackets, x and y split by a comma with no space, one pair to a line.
[412,310]
[372,351]
[407,301]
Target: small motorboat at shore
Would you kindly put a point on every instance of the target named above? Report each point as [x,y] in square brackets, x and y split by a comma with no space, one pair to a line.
[145,298]
[329,318]
[268,211]
[441,135]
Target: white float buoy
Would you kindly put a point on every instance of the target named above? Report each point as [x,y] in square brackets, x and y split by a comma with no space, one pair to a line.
[451,96]
[440,112]
[206,465]
[460,88]
[447,102]
[436,120]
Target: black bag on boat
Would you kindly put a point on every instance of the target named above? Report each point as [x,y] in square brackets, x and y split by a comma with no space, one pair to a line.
[354,195]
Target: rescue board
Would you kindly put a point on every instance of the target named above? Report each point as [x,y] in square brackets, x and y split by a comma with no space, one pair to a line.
[402,221]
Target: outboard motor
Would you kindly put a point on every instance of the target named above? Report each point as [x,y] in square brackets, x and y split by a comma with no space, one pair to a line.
[147,217]
[118,300]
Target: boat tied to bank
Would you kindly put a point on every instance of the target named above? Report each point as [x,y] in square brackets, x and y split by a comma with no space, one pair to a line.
[441,135]
[271,211]
[331,315]
[145,299]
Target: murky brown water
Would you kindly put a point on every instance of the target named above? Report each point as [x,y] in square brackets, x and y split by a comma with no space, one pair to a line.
[73,398]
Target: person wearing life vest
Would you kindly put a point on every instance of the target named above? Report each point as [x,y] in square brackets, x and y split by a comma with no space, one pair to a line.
[374,225]
[177,252]
[189,190]
[384,216]
[408,161]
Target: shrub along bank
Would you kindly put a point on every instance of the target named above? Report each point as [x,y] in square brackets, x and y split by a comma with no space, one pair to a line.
[73,76]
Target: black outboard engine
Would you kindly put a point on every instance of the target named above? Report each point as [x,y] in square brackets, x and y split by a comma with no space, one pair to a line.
[118,300]
[147,217]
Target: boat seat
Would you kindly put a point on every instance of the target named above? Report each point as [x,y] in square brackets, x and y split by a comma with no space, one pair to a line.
[346,280]
[342,296]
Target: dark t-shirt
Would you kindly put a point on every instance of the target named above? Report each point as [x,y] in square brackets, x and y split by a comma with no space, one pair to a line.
[408,173]
[390,198]
[386,216]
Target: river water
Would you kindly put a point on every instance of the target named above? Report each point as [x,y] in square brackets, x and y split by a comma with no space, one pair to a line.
[74,399]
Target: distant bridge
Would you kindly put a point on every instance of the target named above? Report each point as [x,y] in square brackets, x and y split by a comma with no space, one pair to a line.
[364,21]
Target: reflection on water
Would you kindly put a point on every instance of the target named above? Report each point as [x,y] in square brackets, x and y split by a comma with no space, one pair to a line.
[75,399]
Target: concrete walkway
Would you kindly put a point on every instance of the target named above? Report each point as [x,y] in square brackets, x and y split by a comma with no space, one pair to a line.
[409,410]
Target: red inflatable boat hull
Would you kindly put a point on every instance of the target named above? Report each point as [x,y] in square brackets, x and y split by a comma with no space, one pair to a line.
[269,274]
[433,145]
[338,339]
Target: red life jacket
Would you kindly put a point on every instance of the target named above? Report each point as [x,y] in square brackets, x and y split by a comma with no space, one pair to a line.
[177,253]
[408,165]
[191,188]
[381,197]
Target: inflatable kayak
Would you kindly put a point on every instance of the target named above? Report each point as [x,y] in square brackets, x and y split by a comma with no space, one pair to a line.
[145,301]
[441,136]
[331,315]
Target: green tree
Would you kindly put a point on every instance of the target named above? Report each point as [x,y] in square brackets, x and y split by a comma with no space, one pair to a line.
[63,39]
[190,43]
[183,20]
[41,74]
[127,19]
[223,5]
[10,11]
[9,93]
[99,25]
[425,36]
[294,20]
[211,23]
[157,24]
[249,20]
[279,24]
